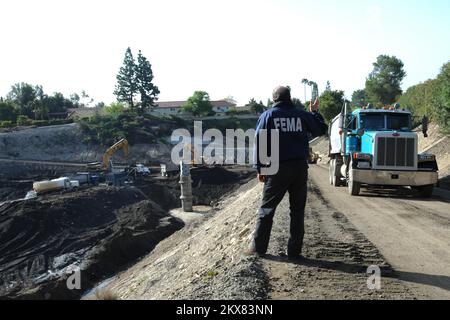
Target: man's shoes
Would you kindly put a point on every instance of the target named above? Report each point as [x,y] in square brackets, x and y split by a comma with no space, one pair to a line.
[296,258]
[253,253]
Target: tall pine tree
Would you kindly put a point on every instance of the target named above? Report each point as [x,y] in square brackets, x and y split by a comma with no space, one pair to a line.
[126,87]
[144,77]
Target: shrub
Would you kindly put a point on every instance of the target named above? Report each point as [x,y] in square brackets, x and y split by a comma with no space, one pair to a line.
[23,120]
[6,124]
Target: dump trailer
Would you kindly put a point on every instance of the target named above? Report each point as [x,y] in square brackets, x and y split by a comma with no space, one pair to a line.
[377,147]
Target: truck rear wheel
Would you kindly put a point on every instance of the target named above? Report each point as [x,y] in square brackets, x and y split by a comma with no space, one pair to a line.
[425,191]
[354,187]
[334,173]
[331,167]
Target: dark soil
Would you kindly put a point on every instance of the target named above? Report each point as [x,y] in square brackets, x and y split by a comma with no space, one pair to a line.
[211,184]
[101,230]
[98,230]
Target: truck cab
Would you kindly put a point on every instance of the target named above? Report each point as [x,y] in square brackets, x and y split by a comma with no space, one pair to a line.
[378,147]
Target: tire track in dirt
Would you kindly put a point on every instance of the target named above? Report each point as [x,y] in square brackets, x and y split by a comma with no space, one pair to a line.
[412,233]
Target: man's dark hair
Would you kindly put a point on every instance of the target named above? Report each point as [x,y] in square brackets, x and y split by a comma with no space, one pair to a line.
[281,94]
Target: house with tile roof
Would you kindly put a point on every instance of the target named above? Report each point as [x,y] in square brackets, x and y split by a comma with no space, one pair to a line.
[220,107]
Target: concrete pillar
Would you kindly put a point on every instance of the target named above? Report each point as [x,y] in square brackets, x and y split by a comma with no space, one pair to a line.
[186,187]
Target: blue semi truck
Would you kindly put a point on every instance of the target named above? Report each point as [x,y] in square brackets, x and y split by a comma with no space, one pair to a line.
[377,147]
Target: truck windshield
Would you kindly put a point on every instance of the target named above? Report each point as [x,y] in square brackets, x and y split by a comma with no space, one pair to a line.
[398,122]
[372,121]
[384,121]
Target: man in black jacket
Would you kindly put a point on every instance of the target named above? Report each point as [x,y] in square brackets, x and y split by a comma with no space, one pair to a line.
[293,126]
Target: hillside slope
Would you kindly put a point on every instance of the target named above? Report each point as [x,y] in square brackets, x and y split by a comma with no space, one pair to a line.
[67,143]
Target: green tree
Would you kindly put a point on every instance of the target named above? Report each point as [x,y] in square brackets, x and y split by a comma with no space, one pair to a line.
[420,99]
[144,77]
[115,109]
[256,107]
[127,87]
[100,105]
[55,103]
[298,103]
[199,104]
[331,103]
[40,109]
[442,90]
[305,83]
[359,98]
[383,85]
[24,95]
[75,99]
[8,111]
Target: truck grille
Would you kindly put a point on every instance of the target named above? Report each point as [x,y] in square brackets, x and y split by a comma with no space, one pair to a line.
[395,152]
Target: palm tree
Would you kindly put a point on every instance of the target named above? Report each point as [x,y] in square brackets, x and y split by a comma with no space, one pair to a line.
[305,82]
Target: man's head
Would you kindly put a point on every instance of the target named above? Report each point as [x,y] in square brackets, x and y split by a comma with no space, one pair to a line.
[281,94]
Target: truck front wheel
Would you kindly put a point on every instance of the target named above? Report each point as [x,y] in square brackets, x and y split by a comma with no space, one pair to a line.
[354,187]
[424,191]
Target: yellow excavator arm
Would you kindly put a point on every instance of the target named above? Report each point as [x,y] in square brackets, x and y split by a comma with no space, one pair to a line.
[122,144]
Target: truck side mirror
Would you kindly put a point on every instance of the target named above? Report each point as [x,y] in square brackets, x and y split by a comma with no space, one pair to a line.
[360,132]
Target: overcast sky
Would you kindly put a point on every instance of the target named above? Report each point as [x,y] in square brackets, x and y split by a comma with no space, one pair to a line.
[239,48]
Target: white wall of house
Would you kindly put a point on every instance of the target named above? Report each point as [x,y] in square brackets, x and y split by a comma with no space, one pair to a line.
[165,111]
[221,109]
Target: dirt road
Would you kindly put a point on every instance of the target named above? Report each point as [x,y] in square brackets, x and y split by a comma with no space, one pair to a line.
[337,258]
[412,234]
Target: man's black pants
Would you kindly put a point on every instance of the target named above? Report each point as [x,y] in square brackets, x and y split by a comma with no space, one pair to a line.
[292,177]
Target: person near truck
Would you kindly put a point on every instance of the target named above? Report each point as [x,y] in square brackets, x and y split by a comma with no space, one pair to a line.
[292,172]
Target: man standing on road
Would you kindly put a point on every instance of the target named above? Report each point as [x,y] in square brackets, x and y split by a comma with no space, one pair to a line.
[292,174]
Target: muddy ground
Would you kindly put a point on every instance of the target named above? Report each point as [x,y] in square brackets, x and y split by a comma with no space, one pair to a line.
[99,229]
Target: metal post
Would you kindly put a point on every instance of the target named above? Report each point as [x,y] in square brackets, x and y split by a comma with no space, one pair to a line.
[186,187]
